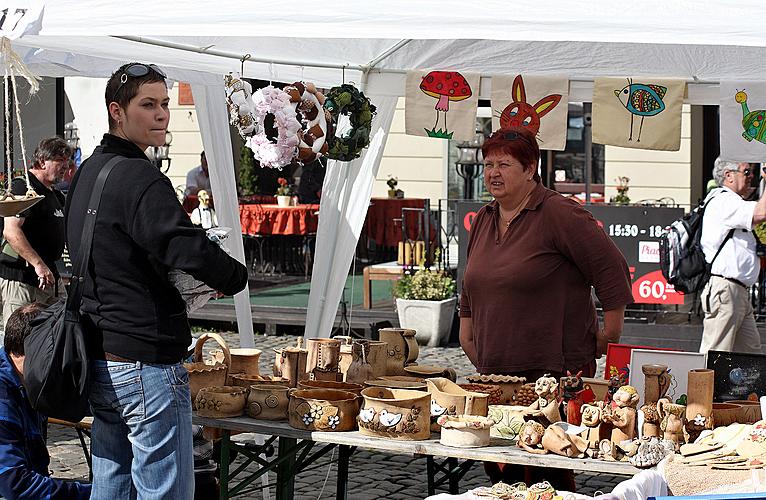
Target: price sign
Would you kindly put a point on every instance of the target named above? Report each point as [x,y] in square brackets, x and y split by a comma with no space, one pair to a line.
[20,17]
[636,231]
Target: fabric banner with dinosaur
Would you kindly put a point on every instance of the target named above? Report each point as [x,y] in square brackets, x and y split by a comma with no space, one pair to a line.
[536,102]
[639,113]
[742,115]
[441,104]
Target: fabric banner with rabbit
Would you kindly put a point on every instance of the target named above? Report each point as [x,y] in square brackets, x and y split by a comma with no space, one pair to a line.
[742,115]
[441,104]
[638,113]
[536,102]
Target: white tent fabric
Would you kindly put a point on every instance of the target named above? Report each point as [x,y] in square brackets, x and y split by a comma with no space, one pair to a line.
[345,199]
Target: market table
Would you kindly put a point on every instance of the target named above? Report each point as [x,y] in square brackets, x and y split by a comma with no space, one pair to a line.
[295,446]
[380,225]
[258,219]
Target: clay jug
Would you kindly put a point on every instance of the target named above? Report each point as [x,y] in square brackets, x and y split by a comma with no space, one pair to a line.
[323,359]
[290,363]
[268,402]
[402,349]
[656,383]
[360,369]
[672,424]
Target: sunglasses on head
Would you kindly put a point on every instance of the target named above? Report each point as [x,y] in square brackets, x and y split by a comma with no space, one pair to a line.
[745,172]
[136,70]
[512,136]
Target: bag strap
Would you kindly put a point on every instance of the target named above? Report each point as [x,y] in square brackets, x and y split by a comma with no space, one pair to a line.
[80,268]
[728,237]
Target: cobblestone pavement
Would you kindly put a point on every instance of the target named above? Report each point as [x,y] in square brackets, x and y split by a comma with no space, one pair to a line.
[371,475]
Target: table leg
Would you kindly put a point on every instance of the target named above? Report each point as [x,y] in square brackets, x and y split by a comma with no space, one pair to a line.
[430,472]
[454,478]
[366,289]
[344,455]
[286,469]
[224,472]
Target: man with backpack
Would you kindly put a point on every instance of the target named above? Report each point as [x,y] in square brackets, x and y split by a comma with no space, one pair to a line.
[729,244]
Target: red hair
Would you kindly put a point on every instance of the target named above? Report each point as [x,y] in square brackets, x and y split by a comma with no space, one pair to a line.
[517,142]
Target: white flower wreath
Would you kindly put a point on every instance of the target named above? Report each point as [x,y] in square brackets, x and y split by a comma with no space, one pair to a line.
[275,102]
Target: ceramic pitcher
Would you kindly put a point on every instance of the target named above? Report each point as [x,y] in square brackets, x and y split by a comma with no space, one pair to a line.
[402,349]
[322,361]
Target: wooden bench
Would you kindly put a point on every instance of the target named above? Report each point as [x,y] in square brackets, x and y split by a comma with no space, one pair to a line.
[388,271]
[83,429]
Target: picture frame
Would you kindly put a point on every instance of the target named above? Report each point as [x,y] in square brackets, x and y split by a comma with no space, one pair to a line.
[678,362]
[738,375]
[618,360]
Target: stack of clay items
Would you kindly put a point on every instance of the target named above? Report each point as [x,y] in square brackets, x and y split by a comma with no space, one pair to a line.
[732,447]
[290,363]
[401,347]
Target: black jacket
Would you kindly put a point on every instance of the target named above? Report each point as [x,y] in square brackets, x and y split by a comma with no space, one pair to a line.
[130,308]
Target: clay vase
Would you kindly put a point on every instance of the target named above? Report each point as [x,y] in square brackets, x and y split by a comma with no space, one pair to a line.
[360,369]
[323,410]
[202,374]
[749,411]
[290,363]
[398,414]
[329,384]
[268,402]
[656,382]
[699,402]
[402,349]
[220,401]
[245,360]
[448,398]
[672,423]
[323,359]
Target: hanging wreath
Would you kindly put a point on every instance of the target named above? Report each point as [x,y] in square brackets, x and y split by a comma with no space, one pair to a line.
[238,100]
[348,100]
[276,143]
[308,102]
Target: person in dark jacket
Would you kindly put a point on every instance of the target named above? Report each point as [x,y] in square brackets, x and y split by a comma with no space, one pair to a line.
[24,458]
[134,318]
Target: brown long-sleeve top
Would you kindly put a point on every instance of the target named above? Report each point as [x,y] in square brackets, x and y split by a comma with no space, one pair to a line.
[528,291]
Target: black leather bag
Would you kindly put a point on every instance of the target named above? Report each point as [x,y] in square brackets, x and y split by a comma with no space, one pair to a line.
[56,359]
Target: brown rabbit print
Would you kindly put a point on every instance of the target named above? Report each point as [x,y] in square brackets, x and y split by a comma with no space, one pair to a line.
[519,113]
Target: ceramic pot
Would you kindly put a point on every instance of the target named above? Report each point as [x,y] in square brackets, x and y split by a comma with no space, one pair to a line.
[430,319]
[493,391]
[322,359]
[673,417]
[329,384]
[402,349]
[397,414]
[749,411]
[245,360]
[246,381]
[656,382]
[220,401]
[360,369]
[283,201]
[699,402]
[290,363]
[448,398]
[202,374]
[465,431]
[431,371]
[509,384]
[323,410]
[509,420]
[398,382]
[268,402]
[725,413]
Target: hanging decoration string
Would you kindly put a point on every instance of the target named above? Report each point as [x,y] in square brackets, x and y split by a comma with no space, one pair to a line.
[30,192]
[8,159]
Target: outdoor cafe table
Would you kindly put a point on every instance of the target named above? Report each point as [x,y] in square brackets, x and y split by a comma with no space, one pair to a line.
[295,446]
[258,219]
[380,225]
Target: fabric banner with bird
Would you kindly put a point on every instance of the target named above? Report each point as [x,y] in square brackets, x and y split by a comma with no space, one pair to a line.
[742,115]
[441,104]
[639,113]
[536,102]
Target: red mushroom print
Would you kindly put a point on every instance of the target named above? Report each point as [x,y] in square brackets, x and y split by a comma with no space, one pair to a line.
[445,86]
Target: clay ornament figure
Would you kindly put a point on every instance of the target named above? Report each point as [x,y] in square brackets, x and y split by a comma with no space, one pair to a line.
[204,215]
[571,389]
[591,419]
[546,388]
[614,385]
[556,440]
[531,437]
[623,416]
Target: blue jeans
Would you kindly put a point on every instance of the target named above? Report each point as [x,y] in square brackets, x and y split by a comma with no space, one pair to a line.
[142,436]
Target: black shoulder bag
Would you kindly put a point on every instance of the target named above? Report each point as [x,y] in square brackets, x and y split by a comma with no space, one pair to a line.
[56,359]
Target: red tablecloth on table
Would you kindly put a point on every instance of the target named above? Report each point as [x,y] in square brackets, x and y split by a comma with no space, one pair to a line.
[273,219]
[380,225]
[257,198]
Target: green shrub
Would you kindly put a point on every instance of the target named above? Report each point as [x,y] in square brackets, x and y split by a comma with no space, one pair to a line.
[425,284]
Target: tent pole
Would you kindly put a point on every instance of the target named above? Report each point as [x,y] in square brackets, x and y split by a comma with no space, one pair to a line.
[388,52]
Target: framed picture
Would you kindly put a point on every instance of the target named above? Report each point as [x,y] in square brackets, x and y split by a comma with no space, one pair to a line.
[678,362]
[618,360]
[737,375]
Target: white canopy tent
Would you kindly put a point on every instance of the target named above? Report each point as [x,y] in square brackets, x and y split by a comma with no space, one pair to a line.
[373,44]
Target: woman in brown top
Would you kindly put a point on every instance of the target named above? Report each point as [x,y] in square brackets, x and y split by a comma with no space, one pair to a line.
[533,256]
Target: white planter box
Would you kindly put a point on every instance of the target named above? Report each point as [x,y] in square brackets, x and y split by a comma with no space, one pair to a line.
[431,319]
[283,201]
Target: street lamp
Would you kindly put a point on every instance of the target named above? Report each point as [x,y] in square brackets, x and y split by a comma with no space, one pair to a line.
[469,163]
[158,154]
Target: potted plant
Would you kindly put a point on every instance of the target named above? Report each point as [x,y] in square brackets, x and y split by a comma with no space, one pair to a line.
[392,182]
[284,192]
[622,191]
[425,302]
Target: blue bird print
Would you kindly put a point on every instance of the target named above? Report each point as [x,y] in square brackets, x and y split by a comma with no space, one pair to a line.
[643,100]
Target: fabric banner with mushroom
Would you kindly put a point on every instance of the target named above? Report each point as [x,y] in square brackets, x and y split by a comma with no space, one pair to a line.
[536,102]
[638,113]
[441,104]
[742,115]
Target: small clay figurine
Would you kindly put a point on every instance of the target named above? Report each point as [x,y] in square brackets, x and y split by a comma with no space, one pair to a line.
[571,388]
[614,385]
[546,388]
[531,437]
[204,215]
[623,417]
[557,441]
[591,418]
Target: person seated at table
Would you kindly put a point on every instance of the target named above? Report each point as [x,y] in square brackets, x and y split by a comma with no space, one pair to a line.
[24,458]
[310,186]
[198,177]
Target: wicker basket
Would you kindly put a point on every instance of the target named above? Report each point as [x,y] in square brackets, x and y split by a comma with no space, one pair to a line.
[202,374]
[494,392]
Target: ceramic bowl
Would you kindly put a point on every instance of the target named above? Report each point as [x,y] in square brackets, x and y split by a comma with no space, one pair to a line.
[329,384]
[398,414]
[220,401]
[465,431]
[323,410]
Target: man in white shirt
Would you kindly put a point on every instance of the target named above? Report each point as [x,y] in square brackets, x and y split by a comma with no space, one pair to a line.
[198,177]
[729,324]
